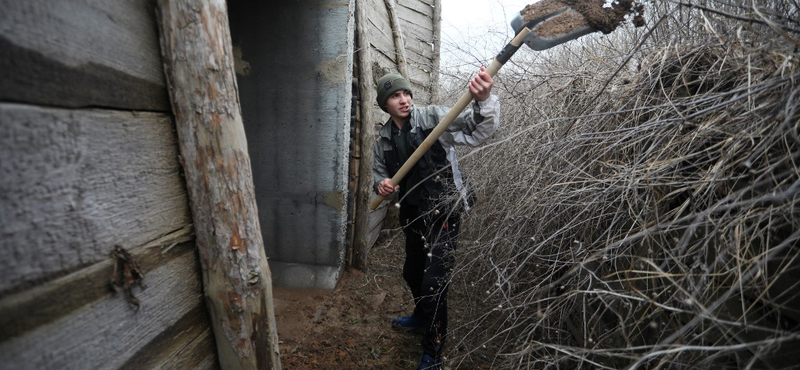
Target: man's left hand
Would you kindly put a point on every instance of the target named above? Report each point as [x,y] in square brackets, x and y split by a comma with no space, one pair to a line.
[481,85]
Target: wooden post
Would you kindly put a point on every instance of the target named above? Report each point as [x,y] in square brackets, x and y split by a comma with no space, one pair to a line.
[197,56]
[399,42]
[437,50]
[366,140]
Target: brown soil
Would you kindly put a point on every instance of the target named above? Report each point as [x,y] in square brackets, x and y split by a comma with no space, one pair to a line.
[349,327]
[593,14]
[541,9]
[563,24]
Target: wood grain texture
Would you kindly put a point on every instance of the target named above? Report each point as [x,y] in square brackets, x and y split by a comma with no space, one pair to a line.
[75,183]
[81,53]
[417,23]
[426,7]
[198,64]
[366,138]
[49,302]
[397,37]
[187,344]
[107,333]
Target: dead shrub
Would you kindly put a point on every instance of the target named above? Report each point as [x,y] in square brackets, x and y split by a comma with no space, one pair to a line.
[639,207]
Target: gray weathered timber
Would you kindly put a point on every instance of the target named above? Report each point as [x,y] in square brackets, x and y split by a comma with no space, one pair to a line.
[51,301]
[419,45]
[106,333]
[201,77]
[81,53]
[415,21]
[187,344]
[296,99]
[363,236]
[426,7]
[420,24]
[397,36]
[75,183]
[380,28]
[437,50]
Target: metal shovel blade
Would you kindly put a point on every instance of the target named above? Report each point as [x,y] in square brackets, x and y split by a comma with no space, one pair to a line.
[552,27]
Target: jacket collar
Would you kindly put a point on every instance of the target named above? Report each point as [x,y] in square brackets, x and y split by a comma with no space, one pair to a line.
[386,129]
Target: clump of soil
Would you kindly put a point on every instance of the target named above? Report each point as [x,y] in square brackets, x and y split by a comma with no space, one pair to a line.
[542,9]
[563,24]
[575,14]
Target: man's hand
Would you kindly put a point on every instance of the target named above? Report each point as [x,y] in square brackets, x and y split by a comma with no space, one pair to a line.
[385,187]
[481,85]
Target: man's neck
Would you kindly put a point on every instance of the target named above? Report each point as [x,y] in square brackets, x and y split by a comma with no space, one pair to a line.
[399,122]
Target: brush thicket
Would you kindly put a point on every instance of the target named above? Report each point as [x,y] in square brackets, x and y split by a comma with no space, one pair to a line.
[639,206]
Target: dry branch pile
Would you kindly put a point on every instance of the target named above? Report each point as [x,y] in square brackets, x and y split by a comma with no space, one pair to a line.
[641,206]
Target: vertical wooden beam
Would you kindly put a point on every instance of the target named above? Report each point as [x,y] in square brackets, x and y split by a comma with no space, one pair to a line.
[197,56]
[397,36]
[437,50]
[366,139]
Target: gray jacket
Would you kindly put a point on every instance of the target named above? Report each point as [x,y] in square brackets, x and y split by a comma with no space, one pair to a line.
[472,127]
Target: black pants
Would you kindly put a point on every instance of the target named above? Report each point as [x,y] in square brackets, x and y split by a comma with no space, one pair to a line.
[430,242]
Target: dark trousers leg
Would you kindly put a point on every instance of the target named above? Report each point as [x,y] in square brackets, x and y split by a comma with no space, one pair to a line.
[414,266]
[439,260]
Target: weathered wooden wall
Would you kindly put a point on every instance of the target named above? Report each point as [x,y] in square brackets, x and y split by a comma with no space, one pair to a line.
[417,25]
[400,36]
[89,159]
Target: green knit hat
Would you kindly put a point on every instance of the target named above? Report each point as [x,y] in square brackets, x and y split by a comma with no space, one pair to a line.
[388,84]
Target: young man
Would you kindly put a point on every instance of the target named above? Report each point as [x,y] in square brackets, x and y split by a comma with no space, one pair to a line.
[431,194]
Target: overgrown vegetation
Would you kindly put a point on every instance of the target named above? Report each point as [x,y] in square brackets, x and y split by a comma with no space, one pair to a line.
[639,206]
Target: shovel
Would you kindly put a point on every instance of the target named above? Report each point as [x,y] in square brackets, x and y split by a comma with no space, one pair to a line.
[540,26]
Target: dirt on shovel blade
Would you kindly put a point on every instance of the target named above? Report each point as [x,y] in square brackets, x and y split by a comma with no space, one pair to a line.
[581,13]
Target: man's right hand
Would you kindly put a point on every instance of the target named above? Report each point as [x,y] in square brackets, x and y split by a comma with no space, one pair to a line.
[385,187]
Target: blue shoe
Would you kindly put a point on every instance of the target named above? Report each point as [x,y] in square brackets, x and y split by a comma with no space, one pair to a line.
[429,363]
[412,323]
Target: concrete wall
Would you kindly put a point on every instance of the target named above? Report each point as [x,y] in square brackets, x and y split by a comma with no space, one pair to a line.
[294,69]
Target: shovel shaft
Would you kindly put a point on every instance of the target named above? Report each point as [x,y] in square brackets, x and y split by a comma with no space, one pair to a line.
[462,103]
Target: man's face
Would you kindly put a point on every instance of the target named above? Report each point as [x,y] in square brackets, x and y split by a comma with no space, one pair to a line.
[399,104]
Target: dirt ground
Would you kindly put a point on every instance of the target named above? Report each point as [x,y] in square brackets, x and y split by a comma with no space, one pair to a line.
[349,327]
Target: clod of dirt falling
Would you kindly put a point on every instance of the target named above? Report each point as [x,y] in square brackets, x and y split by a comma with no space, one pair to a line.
[580,13]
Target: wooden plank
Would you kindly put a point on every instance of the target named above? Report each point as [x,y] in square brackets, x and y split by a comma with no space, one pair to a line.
[195,354]
[52,301]
[75,183]
[412,21]
[107,333]
[419,39]
[420,60]
[421,46]
[187,344]
[378,20]
[419,6]
[384,58]
[81,53]
[198,63]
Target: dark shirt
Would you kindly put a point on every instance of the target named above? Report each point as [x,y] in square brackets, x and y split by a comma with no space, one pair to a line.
[402,138]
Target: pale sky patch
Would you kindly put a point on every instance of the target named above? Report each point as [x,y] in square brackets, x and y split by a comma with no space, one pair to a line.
[476,30]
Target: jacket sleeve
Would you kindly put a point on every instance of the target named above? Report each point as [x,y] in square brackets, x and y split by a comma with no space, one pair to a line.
[473,126]
[379,171]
